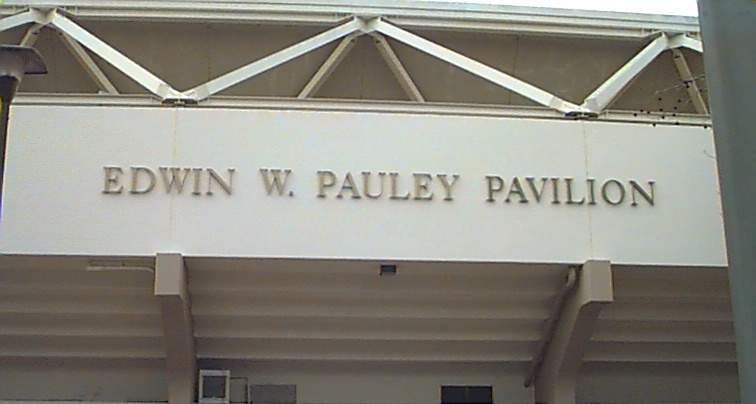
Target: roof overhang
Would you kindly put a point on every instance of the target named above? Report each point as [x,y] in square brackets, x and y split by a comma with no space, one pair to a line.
[413,15]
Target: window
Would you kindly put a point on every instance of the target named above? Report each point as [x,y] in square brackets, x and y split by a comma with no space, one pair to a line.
[214,386]
[466,395]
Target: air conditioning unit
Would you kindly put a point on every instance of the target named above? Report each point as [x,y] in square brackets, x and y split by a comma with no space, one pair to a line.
[272,394]
[214,386]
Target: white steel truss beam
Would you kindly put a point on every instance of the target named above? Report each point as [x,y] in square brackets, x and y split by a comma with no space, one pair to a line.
[330,64]
[89,65]
[31,35]
[684,41]
[178,331]
[473,66]
[690,82]
[19,19]
[246,72]
[75,36]
[127,66]
[556,377]
[397,68]
[603,96]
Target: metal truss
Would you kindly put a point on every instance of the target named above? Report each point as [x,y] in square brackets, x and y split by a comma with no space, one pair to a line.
[325,70]
[608,91]
[690,82]
[397,68]
[89,65]
[473,66]
[76,38]
[257,67]
[409,15]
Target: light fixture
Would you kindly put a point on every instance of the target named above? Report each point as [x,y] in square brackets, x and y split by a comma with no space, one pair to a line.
[388,270]
[119,265]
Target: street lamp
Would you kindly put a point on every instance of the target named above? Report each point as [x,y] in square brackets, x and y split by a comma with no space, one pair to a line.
[15,61]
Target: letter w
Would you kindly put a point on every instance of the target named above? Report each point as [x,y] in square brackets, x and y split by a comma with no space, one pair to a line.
[175,179]
[275,182]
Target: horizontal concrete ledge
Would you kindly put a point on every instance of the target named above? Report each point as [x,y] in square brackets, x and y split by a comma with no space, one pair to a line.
[370,106]
[76,402]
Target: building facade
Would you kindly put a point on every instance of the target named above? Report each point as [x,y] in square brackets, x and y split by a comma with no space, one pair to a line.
[347,202]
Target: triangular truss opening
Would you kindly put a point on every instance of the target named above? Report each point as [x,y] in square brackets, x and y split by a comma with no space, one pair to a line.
[348,61]
[65,75]
[361,74]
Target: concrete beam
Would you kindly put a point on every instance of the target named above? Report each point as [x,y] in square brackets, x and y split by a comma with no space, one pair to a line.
[557,377]
[178,331]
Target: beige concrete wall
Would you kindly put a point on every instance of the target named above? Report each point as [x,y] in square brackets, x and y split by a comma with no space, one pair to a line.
[86,379]
[351,383]
[390,383]
[646,383]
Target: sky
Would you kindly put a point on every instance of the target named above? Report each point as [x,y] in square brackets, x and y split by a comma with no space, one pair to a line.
[669,7]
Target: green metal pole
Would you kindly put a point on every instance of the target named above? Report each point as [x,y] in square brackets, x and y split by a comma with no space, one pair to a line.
[729,34]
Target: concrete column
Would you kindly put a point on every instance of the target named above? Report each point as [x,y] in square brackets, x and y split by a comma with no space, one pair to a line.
[557,377]
[178,331]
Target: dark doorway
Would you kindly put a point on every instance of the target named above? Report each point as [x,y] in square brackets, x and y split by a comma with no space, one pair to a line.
[466,395]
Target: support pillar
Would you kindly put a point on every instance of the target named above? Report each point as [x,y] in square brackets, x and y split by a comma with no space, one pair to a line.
[728,31]
[557,377]
[178,331]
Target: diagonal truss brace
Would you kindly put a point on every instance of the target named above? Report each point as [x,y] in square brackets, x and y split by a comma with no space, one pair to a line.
[327,68]
[89,65]
[473,66]
[250,70]
[600,98]
[608,91]
[31,35]
[23,18]
[397,68]
[690,82]
[130,68]
[684,41]
[74,37]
